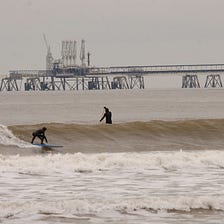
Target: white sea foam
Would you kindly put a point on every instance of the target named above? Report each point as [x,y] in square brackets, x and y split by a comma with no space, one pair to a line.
[88,206]
[80,162]
[7,138]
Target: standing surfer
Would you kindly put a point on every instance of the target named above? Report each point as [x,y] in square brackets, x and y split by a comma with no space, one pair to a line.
[107,115]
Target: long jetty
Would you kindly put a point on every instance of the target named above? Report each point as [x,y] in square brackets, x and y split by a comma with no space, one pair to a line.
[116,77]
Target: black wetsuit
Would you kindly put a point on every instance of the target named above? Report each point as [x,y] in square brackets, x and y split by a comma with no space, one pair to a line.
[108,116]
[40,134]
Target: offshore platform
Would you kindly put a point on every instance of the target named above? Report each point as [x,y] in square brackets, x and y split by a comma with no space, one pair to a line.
[66,74]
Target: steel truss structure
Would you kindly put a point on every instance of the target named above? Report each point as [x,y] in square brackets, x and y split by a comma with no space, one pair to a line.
[72,77]
[56,83]
[213,81]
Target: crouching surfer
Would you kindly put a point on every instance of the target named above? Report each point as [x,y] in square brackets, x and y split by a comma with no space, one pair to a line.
[40,133]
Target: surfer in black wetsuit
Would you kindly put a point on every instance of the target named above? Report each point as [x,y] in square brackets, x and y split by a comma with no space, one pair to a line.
[40,134]
[107,115]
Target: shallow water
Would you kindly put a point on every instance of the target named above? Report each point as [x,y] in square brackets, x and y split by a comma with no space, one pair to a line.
[152,187]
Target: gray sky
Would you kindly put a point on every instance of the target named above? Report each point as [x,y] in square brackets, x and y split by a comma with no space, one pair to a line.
[117,32]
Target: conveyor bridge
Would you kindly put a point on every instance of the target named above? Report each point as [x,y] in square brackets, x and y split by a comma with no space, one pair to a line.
[116,77]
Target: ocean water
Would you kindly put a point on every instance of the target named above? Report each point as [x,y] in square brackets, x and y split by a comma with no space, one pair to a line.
[161,161]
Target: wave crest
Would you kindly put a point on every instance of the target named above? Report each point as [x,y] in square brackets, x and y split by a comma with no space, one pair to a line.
[132,136]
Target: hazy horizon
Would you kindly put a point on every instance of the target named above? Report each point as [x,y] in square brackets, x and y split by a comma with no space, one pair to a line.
[117,33]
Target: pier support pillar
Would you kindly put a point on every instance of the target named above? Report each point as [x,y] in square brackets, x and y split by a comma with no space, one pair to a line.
[105,83]
[190,81]
[213,81]
[32,84]
[98,83]
[93,83]
[9,84]
[136,81]
[120,82]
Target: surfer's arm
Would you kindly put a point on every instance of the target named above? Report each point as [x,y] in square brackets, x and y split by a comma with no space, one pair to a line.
[103,117]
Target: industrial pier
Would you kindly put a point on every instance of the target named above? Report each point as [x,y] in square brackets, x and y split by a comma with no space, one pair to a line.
[65,74]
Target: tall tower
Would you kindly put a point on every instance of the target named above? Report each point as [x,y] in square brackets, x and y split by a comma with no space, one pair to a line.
[74,52]
[68,53]
[49,57]
[63,52]
[82,53]
[88,59]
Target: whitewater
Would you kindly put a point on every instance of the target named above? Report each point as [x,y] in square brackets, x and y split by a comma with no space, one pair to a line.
[162,160]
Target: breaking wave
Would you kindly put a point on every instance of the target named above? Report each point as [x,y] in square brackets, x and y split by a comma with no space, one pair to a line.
[132,136]
[131,206]
[7,138]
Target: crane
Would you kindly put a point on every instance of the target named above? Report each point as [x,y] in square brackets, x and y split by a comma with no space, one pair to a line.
[45,41]
[49,57]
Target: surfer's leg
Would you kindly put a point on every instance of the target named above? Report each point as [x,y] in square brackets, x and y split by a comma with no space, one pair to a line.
[41,138]
[33,138]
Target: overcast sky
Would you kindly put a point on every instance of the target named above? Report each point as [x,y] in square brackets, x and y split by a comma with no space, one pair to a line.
[117,32]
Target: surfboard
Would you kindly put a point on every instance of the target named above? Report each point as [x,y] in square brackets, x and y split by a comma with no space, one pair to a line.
[48,145]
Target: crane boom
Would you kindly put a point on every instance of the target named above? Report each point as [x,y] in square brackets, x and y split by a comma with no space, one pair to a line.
[45,41]
[49,57]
